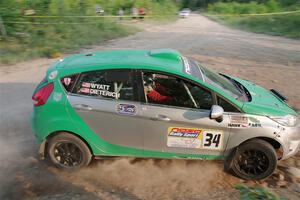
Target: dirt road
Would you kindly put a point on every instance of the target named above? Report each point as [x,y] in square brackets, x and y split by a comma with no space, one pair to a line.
[273,62]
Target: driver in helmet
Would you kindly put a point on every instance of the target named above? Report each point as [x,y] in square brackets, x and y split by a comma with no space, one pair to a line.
[155,90]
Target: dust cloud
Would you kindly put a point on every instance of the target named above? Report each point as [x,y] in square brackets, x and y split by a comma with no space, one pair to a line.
[150,178]
[8,156]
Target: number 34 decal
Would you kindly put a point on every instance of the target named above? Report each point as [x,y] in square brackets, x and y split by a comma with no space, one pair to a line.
[212,140]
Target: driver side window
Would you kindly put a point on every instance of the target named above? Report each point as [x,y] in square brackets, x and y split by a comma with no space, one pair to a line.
[168,90]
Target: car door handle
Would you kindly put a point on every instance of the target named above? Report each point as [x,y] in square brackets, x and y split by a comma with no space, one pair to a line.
[83,107]
[161,118]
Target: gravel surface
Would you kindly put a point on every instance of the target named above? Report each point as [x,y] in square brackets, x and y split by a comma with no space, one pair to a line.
[273,62]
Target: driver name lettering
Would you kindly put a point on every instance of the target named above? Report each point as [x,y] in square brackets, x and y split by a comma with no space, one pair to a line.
[104,93]
[98,89]
[95,86]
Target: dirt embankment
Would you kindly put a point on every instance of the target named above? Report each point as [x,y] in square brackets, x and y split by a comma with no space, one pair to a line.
[272,62]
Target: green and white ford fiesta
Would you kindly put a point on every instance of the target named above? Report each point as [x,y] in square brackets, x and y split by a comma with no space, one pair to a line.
[159,104]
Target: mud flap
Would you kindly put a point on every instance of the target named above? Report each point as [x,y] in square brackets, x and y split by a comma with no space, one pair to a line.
[228,161]
[42,150]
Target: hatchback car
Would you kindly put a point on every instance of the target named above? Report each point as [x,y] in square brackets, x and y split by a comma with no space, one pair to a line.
[159,104]
[184,13]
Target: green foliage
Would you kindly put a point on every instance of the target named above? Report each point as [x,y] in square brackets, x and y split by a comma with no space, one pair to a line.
[285,25]
[244,8]
[286,3]
[49,36]
[195,4]
[256,193]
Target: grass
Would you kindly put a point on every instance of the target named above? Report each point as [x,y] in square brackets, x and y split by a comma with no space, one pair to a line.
[48,40]
[30,36]
[256,192]
[281,25]
[237,15]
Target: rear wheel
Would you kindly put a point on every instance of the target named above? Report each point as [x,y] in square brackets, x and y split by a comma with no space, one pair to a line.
[68,151]
[253,160]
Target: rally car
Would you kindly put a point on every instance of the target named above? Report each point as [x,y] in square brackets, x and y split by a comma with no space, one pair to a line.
[159,104]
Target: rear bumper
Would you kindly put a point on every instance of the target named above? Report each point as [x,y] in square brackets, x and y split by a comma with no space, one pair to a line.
[34,122]
[42,152]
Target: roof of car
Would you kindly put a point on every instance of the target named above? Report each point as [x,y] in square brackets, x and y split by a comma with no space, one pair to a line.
[151,59]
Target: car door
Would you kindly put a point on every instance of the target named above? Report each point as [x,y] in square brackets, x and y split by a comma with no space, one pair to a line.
[181,123]
[107,101]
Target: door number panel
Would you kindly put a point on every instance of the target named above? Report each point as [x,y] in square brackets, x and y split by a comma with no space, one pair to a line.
[195,138]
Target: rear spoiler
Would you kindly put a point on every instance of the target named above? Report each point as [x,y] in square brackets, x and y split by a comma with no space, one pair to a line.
[280,96]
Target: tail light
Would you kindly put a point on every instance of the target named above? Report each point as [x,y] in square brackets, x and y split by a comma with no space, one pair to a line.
[41,96]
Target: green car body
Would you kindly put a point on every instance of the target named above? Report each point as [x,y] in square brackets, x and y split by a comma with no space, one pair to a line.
[58,114]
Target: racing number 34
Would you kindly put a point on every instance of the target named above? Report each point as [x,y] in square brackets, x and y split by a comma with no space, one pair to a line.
[212,140]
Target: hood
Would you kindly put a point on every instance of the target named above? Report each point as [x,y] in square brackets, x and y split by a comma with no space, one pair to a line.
[264,102]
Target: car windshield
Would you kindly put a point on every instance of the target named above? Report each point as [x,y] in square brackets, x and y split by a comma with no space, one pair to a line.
[206,75]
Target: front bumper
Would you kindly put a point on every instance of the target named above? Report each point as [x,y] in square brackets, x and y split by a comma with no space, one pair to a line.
[291,140]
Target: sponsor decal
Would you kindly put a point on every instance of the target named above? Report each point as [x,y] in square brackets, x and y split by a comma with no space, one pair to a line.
[98,89]
[195,138]
[67,81]
[85,84]
[85,90]
[238,122]
[253,122]
[238,119]
[234,125]
[254,125]
[126,109]
[57,96]
[244,122]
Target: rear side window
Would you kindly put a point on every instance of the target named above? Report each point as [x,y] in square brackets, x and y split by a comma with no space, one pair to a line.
[227,106]
[69,81]
[112,84]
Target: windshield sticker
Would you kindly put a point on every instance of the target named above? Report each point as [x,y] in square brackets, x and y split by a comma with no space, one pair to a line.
[187,67]
[194,138]
[98,89]
[126,109]
[244,122]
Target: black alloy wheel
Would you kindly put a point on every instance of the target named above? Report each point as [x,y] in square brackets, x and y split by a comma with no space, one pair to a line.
[68,151]
[67,154]
[253,160]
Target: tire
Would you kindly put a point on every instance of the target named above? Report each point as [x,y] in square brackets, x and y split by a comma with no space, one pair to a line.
[253,160]
[68,151]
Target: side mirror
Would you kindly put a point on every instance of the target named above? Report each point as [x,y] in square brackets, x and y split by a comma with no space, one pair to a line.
[216,113]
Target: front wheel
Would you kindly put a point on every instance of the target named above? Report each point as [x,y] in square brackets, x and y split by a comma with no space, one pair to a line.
[68,151]
[253,160]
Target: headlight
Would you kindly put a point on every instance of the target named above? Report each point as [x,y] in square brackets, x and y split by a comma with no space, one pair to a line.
[288,120]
